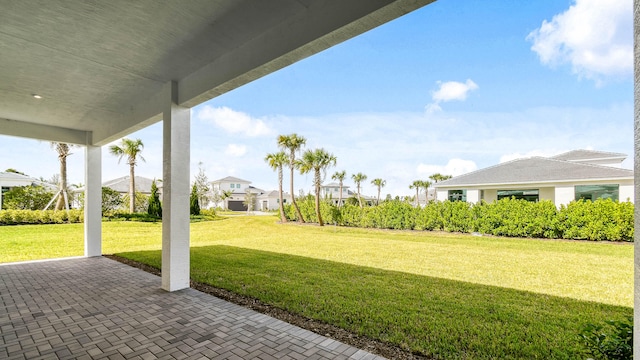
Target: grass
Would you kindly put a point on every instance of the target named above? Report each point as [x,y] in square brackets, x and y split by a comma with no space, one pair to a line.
[446,295]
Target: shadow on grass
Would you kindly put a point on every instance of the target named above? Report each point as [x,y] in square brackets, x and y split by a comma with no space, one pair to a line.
[430,316]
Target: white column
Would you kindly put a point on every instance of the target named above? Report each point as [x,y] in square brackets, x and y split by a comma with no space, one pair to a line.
[175,193]
[636,175]
[93,201]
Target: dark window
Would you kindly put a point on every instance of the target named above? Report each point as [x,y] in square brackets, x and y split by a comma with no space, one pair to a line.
[529,195]
[457,195]
[594,192]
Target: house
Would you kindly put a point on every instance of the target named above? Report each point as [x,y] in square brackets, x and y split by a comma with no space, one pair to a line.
[143,185]
[236,189]
[9,180]
[331,191]
[575,175]
[270,200]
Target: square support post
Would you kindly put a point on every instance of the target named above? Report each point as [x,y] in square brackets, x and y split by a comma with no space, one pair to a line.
[636,179]
[93,201]
[175,192]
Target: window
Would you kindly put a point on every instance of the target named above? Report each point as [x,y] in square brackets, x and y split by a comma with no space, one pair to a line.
[232,186]
[594,192]
[5,189]
[532,195]
[237,186]
[457,195]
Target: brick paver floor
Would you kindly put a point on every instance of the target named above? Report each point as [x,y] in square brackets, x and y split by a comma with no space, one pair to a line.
[97,308]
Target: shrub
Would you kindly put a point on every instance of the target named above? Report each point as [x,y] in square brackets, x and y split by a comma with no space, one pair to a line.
[21,217]
[26,198]
[611,341]
[155,207]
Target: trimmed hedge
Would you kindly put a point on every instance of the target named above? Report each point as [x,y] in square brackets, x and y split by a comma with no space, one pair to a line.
[20,217]
[599,220]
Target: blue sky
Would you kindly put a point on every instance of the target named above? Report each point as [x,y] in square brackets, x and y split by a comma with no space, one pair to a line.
[451,88]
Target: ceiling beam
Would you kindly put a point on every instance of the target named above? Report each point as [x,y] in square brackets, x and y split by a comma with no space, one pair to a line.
[44,132]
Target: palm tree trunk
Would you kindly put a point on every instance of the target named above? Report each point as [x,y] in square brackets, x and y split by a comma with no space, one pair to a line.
[63,184]
[317,183]
[378,202]
[293,198]
[282,217]
[340,196]
[359,199]
[417,196]
[132,189]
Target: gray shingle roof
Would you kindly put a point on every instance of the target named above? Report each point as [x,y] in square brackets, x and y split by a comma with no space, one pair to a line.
[121,184]
[536,170]
[583,155]
[231,179]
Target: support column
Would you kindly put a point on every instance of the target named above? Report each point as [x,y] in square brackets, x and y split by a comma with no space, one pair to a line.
[175,192]
[636,176]
[93,201]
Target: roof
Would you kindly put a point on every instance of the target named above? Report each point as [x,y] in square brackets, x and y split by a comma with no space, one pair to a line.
[335,184]
[121,184]
[231,179]
[19,178]
[105,69]
[536,170]
[589,155]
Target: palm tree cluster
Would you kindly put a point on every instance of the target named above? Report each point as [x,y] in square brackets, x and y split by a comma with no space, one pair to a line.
[130,149]
[315,161]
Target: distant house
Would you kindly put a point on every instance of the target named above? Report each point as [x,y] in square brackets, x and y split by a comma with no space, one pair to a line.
[143,185]
[575,175]
[238,188]
[9,180]
[331,191]
[270,200]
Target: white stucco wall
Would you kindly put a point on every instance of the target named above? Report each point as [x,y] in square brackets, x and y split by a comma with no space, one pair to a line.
[547,193]
[626,193]
[490,195]
[442,195]
[473,196]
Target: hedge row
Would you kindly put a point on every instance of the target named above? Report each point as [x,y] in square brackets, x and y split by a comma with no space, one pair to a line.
[586,220]
[19,217]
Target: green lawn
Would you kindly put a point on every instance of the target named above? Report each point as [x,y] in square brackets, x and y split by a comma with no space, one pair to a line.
[445,295]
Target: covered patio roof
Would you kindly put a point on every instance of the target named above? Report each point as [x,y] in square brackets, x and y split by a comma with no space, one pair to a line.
[101,67]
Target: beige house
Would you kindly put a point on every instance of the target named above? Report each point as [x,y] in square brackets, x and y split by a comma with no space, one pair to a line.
[575,175]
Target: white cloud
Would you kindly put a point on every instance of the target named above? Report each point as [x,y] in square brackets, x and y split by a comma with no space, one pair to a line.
[454,167]
[235,122]
[453,90]
[235,150]
[594,36]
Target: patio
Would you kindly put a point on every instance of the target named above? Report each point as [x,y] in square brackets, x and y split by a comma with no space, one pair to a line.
[97,308]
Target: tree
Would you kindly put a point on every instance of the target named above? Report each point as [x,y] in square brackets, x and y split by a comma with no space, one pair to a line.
[293,143]
[417,184]
[339,176]
[224,195]
[111,199]
[379,183]
[131,149]
[12,170]
[249,200]
[194,205]
[63,150]
[358,179]
[202,184]
[276,161]
[155,206]
[425,185]
[26,198]
[318,161]
[439,177]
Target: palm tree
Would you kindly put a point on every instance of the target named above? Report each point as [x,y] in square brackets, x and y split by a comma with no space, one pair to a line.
[439,177]
[379,183]
[131,149]
[224,196]
[425,185]
[318,161]
[359,178]
[276,161]
[339,175]
[293,143]
[63,150]
[417,184]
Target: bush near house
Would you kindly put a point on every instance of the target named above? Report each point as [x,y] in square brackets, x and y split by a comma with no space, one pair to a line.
[18,217]
[600,220]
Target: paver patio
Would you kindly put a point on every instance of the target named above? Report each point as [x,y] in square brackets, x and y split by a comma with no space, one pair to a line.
[97,308]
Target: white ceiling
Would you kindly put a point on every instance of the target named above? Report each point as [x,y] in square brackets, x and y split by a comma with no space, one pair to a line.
[100,66]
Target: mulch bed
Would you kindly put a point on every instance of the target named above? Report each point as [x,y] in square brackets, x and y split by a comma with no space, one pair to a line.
[373,346]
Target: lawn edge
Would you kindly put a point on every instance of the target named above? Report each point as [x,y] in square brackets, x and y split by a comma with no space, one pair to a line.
[377,347]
